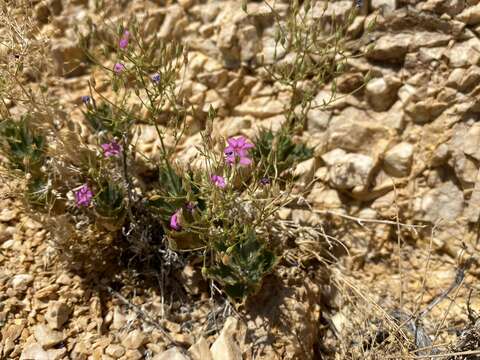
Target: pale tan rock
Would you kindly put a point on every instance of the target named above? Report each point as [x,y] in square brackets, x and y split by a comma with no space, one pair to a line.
[34,352]
[371,138]
[471,141]
[225,346]
[200,350]
[171,354]
[174,24]
[471,15]
[115,350]
[8,214]
[133,355]
[134,339]
[57,314]
[347,170]
[56,354]
[391,47]
[425,111]
[69,58]
[464,53]
[381,94]
[47,337]
[261,108]
[322,198]
[398,160]
[387,6]
[305,170]
[444,202]
[21,281]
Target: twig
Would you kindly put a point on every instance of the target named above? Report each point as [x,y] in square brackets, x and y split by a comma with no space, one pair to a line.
[141,313]
[456,283]
[361,221]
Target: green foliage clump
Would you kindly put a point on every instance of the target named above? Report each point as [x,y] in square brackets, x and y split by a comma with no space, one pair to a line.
[23,146]
[242,265]
[276,152]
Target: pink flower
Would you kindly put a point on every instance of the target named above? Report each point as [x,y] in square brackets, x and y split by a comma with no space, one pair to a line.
[175,221]
[218,181]
[124,40]
[237,149]
[111,148]
[83,196]
[118,68]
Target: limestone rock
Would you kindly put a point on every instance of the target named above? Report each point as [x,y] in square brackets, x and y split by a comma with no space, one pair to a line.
[115,350]
[398,160]
[322,198]
[381,94]
[351,132]
[391,47]
[56,354]
[387,6]
[133,355]
[57,314]
[134,340]
[261,107]
[464,53]
[471,15]
[174,24]
[21,281]
[69,57]
[200,350]
[47,337]
[425,111]
[471,141]
[347,170]
[171,354]
[472,212]
[443,202]
[34,352]
[226,347]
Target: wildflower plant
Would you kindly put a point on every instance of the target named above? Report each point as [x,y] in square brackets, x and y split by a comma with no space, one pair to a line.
[102,197]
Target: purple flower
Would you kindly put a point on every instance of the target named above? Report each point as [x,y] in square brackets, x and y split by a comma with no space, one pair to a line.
[83,196]
[175,221]
[124,40]
[264,181]
[218,181]
[86,99]
[111,148]
[155,78]
[237,149]
[118,68]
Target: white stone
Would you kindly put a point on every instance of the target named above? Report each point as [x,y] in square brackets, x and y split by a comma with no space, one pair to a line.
[21,280]
[200,350]
[441,203]
[398,160]
[171,354]
[226,347]
[347,171]
[46,337]
[34,352]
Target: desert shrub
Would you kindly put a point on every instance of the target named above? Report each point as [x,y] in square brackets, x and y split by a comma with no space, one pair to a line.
[92,190]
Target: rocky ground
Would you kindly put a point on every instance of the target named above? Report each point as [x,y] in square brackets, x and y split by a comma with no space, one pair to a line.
[397,182]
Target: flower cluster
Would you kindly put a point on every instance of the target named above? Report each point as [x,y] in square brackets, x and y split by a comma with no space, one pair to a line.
[124,40]
[237,151]
[83,196]
[111,148]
